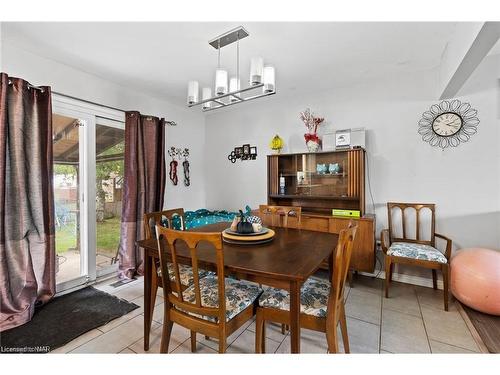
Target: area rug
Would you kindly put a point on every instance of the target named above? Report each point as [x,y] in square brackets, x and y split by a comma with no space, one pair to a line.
[487,327]
[64,319]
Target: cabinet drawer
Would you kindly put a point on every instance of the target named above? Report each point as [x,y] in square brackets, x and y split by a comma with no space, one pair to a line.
[319,224]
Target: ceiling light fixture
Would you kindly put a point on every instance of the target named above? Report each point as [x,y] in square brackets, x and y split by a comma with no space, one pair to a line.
[261,77]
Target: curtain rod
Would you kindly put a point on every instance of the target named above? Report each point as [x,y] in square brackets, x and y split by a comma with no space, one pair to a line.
[171,123]
[30,86]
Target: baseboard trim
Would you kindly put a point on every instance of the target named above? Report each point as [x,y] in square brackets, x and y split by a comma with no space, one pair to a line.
[407,279]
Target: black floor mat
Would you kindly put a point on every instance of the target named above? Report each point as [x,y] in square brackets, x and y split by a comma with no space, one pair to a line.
[64,319]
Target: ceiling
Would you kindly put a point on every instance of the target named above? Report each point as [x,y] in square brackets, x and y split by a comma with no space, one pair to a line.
[159,58]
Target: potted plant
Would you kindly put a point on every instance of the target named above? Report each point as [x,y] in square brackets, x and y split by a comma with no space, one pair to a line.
[311,122]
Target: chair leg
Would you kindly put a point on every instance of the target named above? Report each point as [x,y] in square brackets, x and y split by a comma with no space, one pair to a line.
[343,329]
[446,279]
[154,290]
[387,275]
[332,339]
[391,272]
[222,344]
[193,342]
[260,332]
[434,279]
[165,335]
[350,278]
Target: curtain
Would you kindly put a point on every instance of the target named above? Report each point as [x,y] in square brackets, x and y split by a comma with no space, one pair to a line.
[27,232]
[143,187]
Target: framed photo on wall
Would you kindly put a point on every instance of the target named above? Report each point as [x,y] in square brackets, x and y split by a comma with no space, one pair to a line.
[246,149]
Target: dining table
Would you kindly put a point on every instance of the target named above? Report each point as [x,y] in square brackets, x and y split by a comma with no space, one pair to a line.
[286,262]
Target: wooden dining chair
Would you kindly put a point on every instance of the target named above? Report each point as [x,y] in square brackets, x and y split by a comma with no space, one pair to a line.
[165,219]
[199,308]
[186,275]
[414,250]
[278,215]
[321,301]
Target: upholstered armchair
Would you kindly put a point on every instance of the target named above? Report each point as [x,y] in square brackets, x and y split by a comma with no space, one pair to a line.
[415,250]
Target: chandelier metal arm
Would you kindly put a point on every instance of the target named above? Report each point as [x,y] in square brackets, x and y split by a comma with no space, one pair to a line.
[243,100]
[233,93]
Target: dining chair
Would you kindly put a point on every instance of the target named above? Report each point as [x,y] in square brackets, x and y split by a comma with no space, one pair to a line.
[165,219]
[414,250]
[278,215]
[321,301]
[199,308]
[186,275]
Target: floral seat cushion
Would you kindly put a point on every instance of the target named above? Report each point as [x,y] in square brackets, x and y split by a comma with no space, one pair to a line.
[239,295]
[313,297]
[186,273]
[416,251]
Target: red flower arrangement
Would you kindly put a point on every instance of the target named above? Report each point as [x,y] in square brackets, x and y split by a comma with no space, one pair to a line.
[311,122]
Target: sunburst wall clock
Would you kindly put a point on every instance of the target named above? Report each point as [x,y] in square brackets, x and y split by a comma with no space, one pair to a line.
[448,124]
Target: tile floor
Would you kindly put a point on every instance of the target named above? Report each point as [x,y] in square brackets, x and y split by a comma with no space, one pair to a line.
[412,320]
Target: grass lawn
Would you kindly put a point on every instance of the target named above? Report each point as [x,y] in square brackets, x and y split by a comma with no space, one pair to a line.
[108,237]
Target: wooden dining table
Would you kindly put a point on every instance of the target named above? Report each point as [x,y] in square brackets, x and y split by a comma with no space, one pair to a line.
[286,262]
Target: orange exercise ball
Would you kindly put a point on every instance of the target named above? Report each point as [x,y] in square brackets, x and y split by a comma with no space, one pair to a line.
[475,279]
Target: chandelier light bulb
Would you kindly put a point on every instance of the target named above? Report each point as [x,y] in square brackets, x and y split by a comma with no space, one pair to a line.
[256,70]
[193,92]
[206,93]
[220,82]
[234,85]
[269,79]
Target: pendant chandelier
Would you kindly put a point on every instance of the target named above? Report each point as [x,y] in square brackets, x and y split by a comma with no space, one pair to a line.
[229,91]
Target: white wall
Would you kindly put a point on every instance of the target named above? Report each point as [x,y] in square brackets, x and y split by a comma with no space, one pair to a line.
[463,182]
[190,131]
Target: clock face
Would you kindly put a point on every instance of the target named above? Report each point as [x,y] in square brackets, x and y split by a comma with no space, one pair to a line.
[447,124]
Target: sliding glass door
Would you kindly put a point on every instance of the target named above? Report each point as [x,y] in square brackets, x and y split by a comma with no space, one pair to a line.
[88,150]
[68,178]
[110,147]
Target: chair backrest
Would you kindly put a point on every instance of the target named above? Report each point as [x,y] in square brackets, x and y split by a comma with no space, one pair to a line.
[175,240]
[152,219]
[393,207]
[342,261]
[272,215]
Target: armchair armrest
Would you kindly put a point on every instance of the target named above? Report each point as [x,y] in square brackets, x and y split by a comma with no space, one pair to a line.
[385,241]
[447,253]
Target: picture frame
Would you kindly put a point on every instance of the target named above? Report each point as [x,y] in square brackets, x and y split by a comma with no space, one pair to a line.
[238,151]
[253,150]
[246,149]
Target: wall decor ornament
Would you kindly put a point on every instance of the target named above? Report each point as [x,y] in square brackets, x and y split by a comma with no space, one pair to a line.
[448,124]
[178,153]
[276,144]
[245,152]
[311,122]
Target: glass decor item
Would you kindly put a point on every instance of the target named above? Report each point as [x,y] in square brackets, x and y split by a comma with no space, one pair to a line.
[220,82]
[334,168]
[206,94]
[234,85]
[193,92]
[321,168]
[256,70]
[268,79]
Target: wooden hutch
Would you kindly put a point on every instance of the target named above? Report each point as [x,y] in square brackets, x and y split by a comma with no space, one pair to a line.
[322,181]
